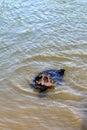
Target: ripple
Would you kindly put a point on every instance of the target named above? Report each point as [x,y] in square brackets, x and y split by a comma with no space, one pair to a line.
[21,88]
[36,36]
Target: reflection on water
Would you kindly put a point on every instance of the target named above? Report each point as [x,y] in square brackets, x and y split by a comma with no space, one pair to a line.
[34,36]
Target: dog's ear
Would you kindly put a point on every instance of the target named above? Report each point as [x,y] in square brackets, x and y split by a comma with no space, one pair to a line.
[61,71]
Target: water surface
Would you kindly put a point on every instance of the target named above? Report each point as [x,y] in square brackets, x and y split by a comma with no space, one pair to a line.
[35,36]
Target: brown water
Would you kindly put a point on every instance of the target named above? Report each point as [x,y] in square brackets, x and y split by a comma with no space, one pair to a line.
[34,36]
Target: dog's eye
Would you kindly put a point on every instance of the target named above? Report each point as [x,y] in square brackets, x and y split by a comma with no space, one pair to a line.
[40,77]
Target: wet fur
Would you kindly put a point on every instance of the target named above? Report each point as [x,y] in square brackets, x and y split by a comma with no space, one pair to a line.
[47,79]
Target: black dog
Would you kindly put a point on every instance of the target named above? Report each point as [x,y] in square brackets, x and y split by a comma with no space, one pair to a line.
[47,79]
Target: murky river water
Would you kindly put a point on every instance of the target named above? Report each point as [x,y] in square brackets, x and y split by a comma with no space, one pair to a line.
[34,36]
